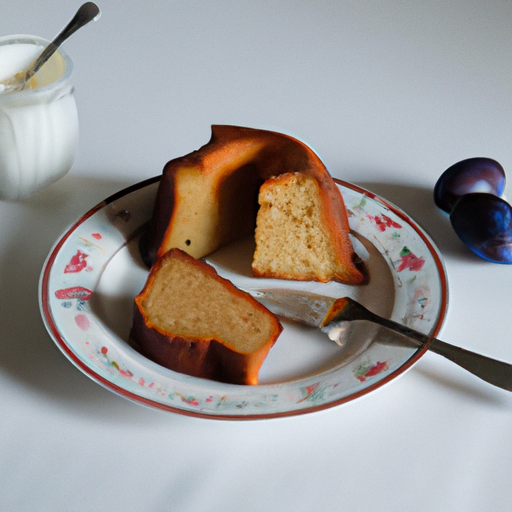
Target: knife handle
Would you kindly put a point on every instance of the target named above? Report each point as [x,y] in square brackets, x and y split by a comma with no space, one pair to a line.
[491,370]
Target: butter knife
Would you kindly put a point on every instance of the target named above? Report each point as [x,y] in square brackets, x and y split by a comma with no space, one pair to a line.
[331,316]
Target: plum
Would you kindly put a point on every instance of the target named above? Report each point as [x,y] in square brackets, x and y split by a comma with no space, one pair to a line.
[484,223]
[468,176]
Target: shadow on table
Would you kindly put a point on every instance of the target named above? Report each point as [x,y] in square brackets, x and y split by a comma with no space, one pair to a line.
[466,391]
[27,352]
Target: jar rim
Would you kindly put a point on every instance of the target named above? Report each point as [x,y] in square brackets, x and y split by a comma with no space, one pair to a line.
[47,89]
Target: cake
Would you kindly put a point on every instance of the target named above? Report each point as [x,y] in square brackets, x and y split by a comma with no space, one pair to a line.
[190,320]
[289,224]
[209,197]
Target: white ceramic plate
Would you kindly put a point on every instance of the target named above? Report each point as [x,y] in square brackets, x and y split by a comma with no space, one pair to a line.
[94,271]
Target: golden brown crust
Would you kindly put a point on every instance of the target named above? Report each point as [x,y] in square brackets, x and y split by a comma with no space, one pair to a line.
[208,198]
[199,356]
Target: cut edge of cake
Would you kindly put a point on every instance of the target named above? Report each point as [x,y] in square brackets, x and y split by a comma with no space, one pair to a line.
[189,319]
[293,238]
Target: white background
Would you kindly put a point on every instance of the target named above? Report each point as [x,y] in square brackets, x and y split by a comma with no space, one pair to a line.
[389,94]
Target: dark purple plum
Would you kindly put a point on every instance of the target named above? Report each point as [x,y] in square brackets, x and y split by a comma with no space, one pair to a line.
[466,177]
[484,223]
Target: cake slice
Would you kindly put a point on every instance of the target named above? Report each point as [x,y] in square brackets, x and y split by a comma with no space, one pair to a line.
[209,197]
[293,238]
[190,320]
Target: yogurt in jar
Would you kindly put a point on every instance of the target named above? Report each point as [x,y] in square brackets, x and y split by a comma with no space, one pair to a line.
[38,125]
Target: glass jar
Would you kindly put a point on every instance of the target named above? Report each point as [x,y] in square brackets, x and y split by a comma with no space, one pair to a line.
[38,125]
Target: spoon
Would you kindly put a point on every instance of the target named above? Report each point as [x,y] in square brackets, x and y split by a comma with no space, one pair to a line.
[331,315]
[86,13]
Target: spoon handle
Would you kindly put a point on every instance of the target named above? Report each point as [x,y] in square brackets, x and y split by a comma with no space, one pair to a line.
[86,13]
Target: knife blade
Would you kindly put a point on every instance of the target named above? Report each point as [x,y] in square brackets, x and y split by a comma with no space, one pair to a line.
[304,307]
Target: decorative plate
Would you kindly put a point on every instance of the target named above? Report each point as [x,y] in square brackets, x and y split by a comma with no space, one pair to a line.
[93,272]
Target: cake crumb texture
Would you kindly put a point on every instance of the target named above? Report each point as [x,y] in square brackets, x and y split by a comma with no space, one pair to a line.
[292,240]
[189,319]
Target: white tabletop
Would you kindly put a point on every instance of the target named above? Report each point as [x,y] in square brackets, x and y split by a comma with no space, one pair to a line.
[390,94]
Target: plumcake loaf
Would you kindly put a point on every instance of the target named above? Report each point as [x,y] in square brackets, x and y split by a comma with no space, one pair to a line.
[190,320]
[291,239]
[209,197]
